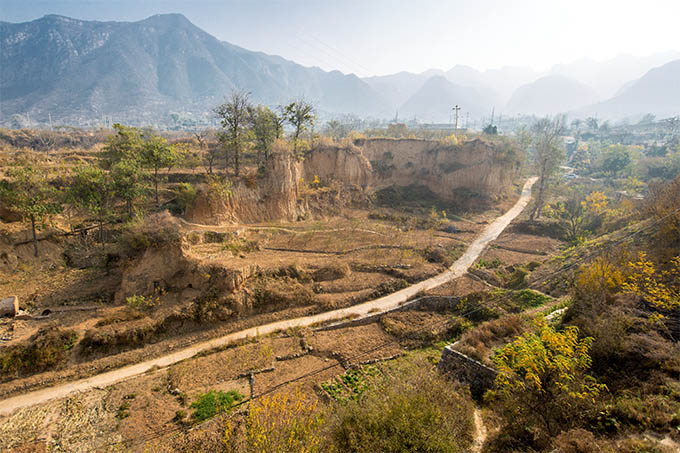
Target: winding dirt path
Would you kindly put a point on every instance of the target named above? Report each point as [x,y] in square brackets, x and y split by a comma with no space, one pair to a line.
[480,432]
[388,302]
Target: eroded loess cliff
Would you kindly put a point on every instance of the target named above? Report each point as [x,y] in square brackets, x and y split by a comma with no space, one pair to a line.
[476,166]
[346,164]
[274,197]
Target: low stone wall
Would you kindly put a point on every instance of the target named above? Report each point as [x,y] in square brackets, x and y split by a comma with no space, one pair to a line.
[479,377]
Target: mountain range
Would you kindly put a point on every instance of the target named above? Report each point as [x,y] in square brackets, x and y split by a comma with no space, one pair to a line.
[584,87]
[74,70]
[657,92]
[77,72]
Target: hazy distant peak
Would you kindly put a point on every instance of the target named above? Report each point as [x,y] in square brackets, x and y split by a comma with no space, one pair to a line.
[59,18]
[608,76]
[656,92]
[431,72]
[551,94]
[175,19]
[438,95]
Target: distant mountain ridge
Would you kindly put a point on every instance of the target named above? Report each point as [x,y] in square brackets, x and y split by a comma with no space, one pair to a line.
[78,70]
[436,98]
[657,92]
[550,95]
[563,88]
[610,76]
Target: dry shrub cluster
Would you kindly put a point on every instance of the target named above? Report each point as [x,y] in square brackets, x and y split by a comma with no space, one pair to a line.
[45,350]
[155,231]
[663,204]
[420,328]
[269,293]
[121,316]
[480,343]
[293,271]
[579,440]
[133,335]
[331,272]
[111,338]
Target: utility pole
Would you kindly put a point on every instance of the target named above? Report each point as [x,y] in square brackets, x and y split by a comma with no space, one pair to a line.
[493,111]
[49,115]
[456,109]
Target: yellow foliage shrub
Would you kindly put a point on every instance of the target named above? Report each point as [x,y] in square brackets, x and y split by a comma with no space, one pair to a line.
[661,289]
[283,422]
[600,278]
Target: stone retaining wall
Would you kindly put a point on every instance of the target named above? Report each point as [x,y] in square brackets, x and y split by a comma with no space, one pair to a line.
[478,376]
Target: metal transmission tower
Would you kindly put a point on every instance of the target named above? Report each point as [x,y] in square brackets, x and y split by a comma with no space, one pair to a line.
[456,109]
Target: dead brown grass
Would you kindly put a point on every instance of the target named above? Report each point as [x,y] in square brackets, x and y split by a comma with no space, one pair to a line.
[479,343]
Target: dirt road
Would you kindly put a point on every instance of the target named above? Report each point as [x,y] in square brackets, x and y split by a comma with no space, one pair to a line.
[388,302]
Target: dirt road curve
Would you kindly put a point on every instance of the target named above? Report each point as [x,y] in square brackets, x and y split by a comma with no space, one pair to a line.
[390,301]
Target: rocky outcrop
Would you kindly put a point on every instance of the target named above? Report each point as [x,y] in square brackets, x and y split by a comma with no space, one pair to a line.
[159,268]
[9,306]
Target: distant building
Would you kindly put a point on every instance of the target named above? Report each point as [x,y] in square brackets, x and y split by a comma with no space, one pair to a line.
[448,127]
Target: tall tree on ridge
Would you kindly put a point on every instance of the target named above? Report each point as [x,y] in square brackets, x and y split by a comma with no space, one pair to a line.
[233,115]
[548,155]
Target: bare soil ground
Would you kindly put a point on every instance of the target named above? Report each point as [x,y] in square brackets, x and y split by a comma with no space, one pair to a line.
[380,257]
[139,414]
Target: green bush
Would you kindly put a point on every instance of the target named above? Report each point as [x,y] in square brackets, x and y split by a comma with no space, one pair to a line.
[141,303]
[530,299]
[123,411]
[185,194]
[351,384]
[213,402]
[489,264]
[416,410]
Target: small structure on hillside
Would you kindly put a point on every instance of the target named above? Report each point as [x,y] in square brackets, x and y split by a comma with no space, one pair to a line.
[9,306]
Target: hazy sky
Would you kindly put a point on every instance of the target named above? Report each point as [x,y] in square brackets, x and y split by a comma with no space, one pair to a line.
[369,37]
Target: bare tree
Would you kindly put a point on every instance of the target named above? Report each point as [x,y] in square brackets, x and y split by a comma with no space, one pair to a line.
[207,146]
[548,155]
[233,115]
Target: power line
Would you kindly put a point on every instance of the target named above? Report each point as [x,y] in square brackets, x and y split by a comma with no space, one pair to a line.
[343,56]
